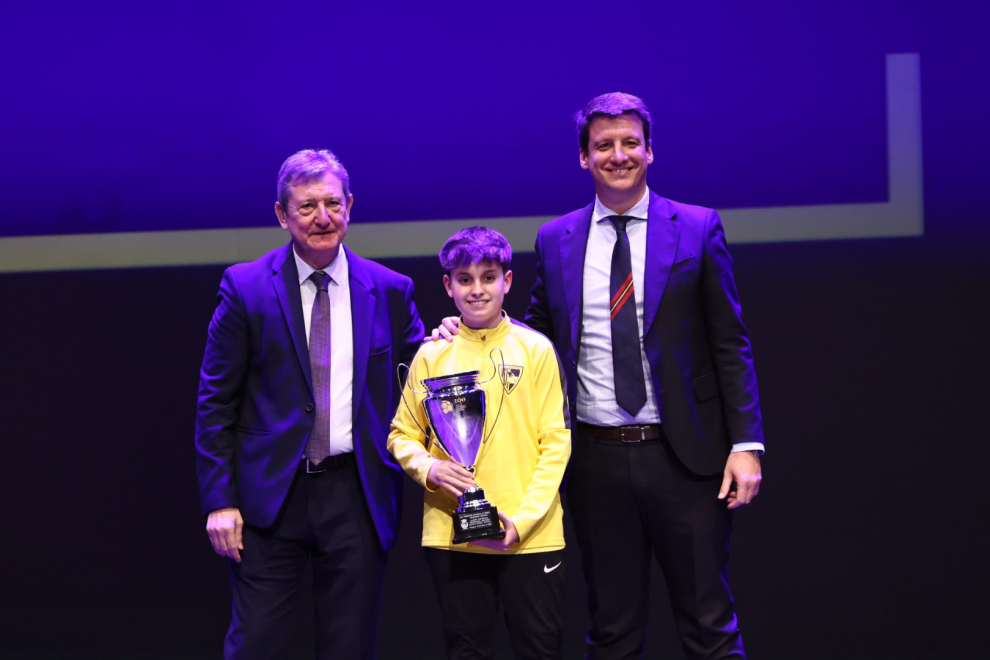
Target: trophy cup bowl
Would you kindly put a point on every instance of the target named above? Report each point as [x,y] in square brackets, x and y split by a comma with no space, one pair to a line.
[455,408]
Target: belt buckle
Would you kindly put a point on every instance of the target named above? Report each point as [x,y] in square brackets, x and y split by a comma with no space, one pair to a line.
[637,437]
[316,469]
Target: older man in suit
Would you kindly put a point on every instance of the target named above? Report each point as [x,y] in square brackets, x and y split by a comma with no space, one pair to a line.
[297,390]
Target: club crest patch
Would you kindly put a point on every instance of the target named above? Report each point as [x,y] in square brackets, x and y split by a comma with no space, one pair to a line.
[510,374]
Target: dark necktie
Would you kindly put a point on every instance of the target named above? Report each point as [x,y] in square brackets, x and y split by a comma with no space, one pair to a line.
[627,360]
[318,446]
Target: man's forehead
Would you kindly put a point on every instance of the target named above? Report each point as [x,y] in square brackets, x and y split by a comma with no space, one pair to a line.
[624,122]
[320,184]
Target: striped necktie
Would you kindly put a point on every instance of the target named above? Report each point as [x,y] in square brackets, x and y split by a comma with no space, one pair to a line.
[627,359]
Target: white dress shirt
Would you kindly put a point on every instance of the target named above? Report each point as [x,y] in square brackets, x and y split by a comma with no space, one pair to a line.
[595,381]
[341,342]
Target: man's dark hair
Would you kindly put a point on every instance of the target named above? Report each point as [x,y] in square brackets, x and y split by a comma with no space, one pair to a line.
[612,104]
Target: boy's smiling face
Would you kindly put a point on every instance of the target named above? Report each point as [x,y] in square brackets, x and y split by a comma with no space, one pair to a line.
[478,291]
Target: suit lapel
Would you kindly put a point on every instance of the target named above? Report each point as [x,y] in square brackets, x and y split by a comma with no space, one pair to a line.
[286,281]
[662,234]
[573,246]
[362,318]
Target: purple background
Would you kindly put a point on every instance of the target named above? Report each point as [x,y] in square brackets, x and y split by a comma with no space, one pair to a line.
[868,540]
[178,116]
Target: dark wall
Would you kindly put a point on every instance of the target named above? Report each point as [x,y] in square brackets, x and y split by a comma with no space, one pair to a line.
[867,540]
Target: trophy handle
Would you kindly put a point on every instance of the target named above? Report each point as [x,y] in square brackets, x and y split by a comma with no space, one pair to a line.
[501,379]
[402,393]
[494,367]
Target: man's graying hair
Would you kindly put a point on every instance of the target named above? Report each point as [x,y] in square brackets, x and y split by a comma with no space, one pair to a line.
[308,165]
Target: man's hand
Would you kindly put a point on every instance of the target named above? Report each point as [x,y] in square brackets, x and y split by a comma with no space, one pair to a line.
[743,468]
[450,476]
[448,328]
[511,536]
[224,527]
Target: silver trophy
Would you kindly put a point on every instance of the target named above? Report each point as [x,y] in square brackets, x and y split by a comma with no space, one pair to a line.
[455,408]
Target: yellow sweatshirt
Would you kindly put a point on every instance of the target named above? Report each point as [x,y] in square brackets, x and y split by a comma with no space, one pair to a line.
[522,462]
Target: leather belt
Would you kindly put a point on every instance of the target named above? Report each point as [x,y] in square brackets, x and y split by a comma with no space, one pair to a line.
[623,434]
[334,462]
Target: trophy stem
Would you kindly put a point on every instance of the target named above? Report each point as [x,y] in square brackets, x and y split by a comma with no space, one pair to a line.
[473,489]
[476,517]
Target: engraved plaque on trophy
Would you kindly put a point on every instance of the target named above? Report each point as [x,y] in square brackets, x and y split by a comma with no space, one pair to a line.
[455,408]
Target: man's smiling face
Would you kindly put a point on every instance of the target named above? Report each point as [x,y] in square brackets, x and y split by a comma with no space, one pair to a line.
[316,217]
[617,156]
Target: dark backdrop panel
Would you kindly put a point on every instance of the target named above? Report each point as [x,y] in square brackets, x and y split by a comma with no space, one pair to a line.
[867,540]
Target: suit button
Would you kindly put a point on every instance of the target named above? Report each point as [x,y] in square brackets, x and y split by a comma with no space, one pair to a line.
[310,407]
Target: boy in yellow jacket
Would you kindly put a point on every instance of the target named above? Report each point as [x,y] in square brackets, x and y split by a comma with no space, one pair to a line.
[520,464]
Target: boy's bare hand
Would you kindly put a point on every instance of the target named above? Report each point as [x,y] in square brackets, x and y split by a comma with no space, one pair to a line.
[448,328]
[451,477]
[511,536]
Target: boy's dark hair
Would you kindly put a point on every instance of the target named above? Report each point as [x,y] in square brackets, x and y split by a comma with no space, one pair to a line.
[473,246]
[613,104]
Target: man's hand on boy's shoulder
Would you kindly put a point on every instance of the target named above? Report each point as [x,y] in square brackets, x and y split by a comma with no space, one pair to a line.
[451,477]
[511,536]
[448,328]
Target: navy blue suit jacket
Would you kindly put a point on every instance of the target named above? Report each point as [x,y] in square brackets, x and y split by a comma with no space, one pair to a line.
[256,396]
[693,335]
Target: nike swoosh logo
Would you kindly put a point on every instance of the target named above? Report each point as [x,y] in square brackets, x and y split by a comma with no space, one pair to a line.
[548,570]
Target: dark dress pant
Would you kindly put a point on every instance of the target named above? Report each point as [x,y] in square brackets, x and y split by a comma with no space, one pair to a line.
[325,519]
[630,503]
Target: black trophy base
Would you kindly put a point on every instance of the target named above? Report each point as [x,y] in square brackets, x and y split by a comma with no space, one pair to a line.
[477,520]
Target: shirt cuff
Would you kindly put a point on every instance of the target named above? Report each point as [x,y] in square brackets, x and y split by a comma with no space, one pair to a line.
[749,446]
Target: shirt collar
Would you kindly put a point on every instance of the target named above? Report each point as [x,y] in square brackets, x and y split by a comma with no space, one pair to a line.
[336,270]
[640,211]
[485,334]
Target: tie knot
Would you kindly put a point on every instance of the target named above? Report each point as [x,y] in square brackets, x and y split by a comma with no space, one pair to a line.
[620,222]
[321,280]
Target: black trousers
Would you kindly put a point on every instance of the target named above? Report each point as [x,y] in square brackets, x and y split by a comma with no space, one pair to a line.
[470,586]
[630,503]
[325,519]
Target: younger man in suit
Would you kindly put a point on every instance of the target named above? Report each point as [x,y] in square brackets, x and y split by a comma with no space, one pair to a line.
[520,464]
[638,295]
